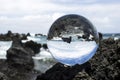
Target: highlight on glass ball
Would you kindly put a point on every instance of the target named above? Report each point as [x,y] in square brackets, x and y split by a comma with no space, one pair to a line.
[72,39]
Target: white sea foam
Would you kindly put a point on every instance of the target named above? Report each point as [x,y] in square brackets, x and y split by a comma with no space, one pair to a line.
[44,54]
[43,61]
[4,46]
[38,39]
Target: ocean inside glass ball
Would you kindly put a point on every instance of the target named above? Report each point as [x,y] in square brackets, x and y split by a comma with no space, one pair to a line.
[72,39]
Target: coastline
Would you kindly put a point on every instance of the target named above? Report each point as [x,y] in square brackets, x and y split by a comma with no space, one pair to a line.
[104,65]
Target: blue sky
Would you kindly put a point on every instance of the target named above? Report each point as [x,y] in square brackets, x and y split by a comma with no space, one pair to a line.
[36,16]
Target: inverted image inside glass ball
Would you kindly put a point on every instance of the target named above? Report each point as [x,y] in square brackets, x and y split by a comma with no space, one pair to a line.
[72,39]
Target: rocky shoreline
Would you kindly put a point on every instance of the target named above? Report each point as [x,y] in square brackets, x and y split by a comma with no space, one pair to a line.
[10,36]
[105,65]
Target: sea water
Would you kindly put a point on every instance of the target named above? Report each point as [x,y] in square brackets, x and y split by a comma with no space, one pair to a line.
[4,46]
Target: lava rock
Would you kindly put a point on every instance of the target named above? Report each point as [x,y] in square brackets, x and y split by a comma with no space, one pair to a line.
[68,40]
[109,41]
[38,34]
[20,56]
[3,76]
[61,72]
[28,34]
[33,45]
[9,36]
[9,72]
[100,35]
[45,46]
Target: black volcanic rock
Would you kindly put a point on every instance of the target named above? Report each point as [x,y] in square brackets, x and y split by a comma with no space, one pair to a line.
[61,72]
[109,41]
[45,46]
[19,64]
[28,34]
[9,36]
[100,35]
[9,72]
[20,56]
[3,76]
[33,45]
[38,34]
[68,40]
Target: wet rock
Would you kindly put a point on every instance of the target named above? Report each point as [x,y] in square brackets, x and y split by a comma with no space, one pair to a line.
[45,46]
[83,76]
[3,76]
[100,35]
[20,56]
[28,34]
[61,72]
[68,40]
[33,45]
[109,41]
[23,36]
[38,34]
[9,36]
[8,72]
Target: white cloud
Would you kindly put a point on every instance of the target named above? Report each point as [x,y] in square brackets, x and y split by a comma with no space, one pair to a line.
[38,15]
[3,17]
[57,15]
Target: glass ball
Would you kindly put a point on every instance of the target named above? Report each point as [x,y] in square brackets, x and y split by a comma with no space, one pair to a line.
[72,39]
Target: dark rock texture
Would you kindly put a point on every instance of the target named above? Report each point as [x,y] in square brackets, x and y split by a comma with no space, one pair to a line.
[20,56]
[61,72]
[100,35]
[9,72]
[68,40]
[19,64]
[45,46]
[3,76]
[105,65]
[28,34]
[33,45]
[9,36]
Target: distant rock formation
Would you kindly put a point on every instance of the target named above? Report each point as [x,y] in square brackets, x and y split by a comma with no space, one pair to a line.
[9,36]
[68,40]
[45,46]
[33,45]
[39,35]
[100,35]
[28,34]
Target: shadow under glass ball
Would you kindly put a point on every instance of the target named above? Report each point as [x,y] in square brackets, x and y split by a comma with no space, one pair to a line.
[72,39]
